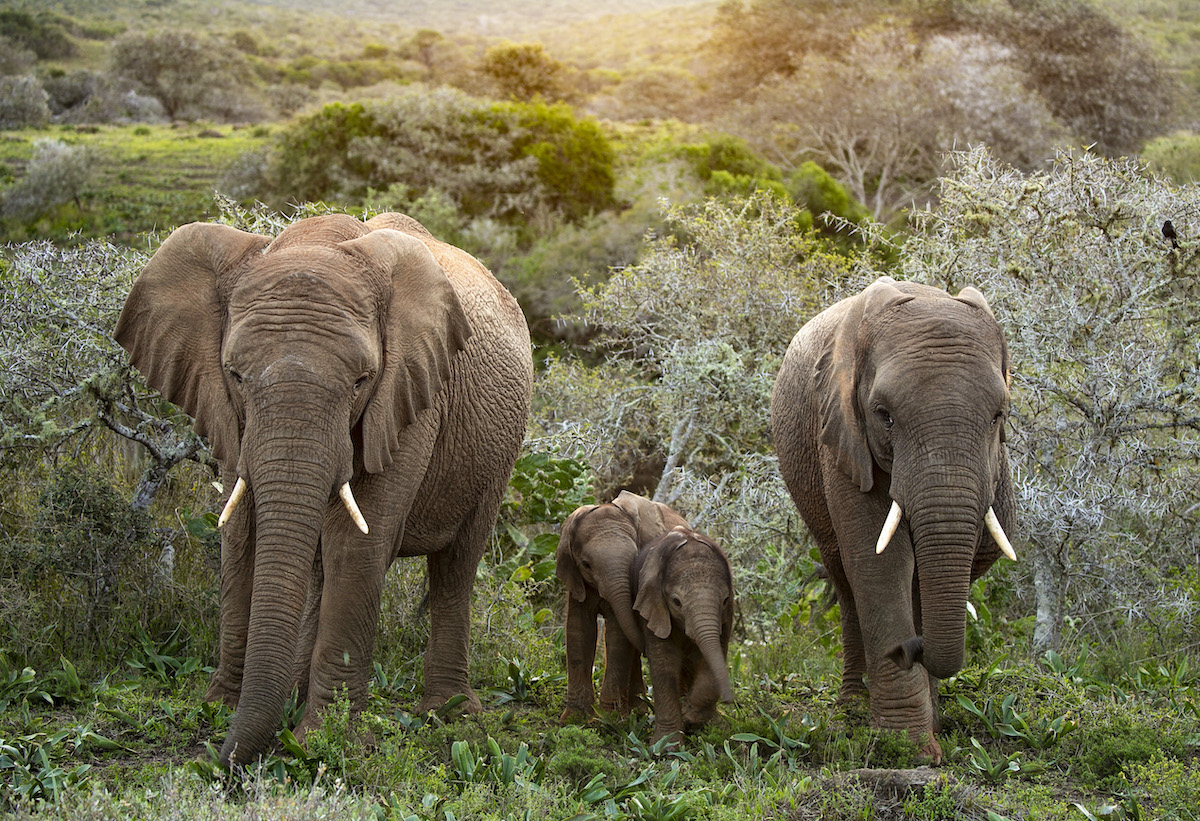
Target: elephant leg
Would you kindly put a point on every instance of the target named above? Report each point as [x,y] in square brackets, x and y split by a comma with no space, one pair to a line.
[581,657]
[700,704]
[451,579]
[854,655]
[933,682]
[347,622]
[309,623]
[237,581]
[666,668]
[637,686]
[619,656]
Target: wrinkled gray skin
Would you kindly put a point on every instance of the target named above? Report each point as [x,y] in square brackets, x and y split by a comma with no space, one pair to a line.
[336,352]
[684,596]
[595,561]
[899,393]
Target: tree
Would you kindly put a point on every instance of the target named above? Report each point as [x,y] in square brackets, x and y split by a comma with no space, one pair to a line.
[23,102]
[1100,314]
[524,71]
[190,75]
[64,375]
[57,174]
[691,337]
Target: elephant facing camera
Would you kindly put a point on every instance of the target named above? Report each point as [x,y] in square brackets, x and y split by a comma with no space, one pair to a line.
[888,419]
[684,596]
[365,389]
[594,559]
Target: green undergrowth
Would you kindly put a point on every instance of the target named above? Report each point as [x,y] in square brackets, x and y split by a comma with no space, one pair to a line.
[143,178]
[1022,739]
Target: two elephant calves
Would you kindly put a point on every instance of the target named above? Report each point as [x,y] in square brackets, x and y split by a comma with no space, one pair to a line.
[665,591]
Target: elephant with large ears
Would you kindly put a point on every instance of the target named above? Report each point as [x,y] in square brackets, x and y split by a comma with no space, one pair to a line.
[365,389]
[888,418]
[595,555]
[684,595]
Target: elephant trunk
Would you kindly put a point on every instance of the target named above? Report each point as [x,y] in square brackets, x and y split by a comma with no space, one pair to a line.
[944,545]
[705,631]
[615,583]
[292,475]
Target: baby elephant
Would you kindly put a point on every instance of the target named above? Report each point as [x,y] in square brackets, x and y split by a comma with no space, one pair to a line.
[595,560]
[685,597]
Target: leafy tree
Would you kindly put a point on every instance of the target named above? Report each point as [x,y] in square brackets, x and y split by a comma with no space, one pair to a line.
[524,71]
[43,34]
[189,74]
[1100,314]
[15,58]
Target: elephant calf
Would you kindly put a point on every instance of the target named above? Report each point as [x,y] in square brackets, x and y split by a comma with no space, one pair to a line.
[595,560]
[684,595]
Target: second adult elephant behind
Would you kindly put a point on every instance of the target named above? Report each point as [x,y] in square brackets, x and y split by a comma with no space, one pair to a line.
[888,420]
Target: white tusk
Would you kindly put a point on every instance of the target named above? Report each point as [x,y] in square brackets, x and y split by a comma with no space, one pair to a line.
[352,507]
[993,526]
[239,490]
[889,527]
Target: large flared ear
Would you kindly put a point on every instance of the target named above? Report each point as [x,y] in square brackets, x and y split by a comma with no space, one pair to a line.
[172,325]
[648,517]
[651,600]
[424,328]
[566,565]
[838,372]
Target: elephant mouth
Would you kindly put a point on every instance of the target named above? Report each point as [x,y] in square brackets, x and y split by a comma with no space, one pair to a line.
[344,493]
[896,513]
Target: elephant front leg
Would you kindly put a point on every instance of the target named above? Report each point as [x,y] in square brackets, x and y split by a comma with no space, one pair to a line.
[620,657]
[346,620]
[237,578]
[451,578]
[581,657]
[666,668]
[854,656]
[900,701]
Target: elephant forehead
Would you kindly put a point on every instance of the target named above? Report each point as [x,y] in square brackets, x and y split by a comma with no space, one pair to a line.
[921,324]
[320,276]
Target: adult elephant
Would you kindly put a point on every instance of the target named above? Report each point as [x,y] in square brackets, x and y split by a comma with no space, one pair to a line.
[365,389]
[888,418]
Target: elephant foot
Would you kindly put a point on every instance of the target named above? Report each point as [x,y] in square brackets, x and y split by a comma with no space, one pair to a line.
[433,702]
[220,691]
[929,751]
[694,716]
[674,739]
[576,715]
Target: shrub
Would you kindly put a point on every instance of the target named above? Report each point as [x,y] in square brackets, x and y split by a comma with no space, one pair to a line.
[23,103]
[57,174]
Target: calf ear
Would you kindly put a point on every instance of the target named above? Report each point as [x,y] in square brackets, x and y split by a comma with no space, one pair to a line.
[172,325]
[566,566]
[651,601]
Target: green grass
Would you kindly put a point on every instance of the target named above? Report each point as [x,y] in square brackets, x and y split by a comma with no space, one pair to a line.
[145,178]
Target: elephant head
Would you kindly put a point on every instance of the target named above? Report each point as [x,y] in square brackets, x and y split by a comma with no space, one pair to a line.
[597,549]
[685,586]
[914,388]
[303,359]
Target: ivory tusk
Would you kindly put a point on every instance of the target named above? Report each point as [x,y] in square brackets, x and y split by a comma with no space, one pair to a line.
[239,490]
[352,507]
[993,526]
[889,527]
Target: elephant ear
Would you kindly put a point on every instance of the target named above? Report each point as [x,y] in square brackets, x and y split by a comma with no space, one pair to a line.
[651,600]
[837,377]
[172,325]
[566,565]
[424,328]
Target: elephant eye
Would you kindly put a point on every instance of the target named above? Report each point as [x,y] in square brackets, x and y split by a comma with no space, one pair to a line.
[586,564]
[675,601]
[884,417]
[362,381]
[237,377]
